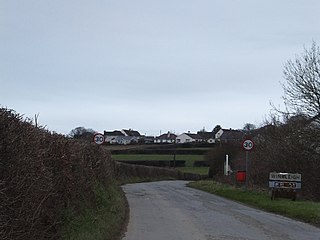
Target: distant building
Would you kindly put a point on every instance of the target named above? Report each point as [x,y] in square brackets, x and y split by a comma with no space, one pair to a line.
[189,138]
[147,139]
[125,140]
[122,137]
[110,137]
[208,137]
[229,135]
[166,138]
[131,133]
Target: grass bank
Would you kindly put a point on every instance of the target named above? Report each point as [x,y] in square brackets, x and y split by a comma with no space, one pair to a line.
[104,219]
[305,211]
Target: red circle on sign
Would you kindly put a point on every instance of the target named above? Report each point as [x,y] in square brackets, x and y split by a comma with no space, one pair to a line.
[98,138]
[247,144]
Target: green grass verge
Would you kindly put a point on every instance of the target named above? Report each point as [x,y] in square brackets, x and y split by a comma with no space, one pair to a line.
[305,211]
[104,219]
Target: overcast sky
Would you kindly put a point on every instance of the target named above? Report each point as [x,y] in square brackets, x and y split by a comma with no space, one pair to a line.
[149,65]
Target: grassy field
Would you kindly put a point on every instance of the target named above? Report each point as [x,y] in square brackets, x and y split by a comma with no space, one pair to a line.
[302,210]
[189,155]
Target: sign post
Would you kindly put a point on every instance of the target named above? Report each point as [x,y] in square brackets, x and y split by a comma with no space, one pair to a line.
[98,138]
[247,146]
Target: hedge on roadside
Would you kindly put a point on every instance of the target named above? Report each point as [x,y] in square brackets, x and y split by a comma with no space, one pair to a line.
[42,173]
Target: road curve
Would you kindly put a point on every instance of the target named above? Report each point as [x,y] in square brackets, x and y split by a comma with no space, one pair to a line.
[169,210]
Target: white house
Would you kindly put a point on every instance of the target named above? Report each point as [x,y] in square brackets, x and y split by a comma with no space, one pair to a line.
[123,137]
[218,134]
[110,137]
[188,138]
[124,140]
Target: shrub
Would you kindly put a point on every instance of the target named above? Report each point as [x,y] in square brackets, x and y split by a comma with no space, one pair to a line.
[41,173]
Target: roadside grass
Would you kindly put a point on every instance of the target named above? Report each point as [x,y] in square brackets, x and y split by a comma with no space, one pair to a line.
[305,211]
[104,219]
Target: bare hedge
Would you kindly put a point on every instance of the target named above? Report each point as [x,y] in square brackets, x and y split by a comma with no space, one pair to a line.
[126,171]
[42,173]
[291,147]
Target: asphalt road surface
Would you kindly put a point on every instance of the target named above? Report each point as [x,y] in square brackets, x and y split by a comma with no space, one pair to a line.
[169,210]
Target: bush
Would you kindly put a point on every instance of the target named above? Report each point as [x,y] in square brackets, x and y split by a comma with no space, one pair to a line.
[290,147]
[41,173]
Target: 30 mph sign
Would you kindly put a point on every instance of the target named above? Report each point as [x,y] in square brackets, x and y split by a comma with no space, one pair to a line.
[247,144]
[98,138]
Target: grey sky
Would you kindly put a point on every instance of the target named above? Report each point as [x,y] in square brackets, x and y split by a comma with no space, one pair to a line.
[149,65]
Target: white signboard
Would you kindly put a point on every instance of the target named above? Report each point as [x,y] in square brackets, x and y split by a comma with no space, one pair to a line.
[295,177]
[285,180]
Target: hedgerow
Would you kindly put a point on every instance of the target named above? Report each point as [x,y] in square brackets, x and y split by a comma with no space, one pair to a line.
[41,174]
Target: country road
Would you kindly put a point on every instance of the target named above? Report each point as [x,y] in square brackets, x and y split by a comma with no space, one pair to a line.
[169,210]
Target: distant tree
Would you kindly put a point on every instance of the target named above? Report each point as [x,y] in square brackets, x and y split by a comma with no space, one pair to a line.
[293,144]
[248,127]
[302,85]
[82,133]
[202,130]
[216,129]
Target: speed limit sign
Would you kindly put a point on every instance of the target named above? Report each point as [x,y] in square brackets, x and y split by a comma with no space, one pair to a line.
[247,144]
[98,138]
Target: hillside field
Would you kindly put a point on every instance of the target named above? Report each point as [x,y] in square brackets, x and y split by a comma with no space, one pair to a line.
[188,153]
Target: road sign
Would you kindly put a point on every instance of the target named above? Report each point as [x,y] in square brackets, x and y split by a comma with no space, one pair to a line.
[98,138]
[293,177]
[247,144]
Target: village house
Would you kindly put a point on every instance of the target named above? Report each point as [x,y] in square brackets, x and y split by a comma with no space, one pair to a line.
[122,137]
[229,135]
[166,138]
[125,140]
[189,138]
[208,137]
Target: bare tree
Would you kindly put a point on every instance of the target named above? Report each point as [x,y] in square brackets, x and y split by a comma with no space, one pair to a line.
[302,85]
[248,127]
[82,133]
